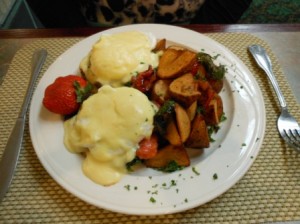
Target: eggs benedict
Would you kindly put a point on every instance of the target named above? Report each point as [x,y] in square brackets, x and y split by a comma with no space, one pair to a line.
[107,129]
[115,58]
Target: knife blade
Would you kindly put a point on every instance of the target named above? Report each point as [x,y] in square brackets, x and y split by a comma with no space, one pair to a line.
[14,144]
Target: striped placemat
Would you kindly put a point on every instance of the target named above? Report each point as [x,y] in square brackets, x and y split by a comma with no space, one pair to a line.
[269,192]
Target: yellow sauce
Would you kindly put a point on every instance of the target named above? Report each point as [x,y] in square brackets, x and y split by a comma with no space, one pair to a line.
[108,128]
[115,58]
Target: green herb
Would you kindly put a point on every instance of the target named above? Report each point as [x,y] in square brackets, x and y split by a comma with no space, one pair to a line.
[152,200]
[163,116]
[200,110]
[216,56]
[195,171]
[173,183]
[128,84]
[127,187]
[223,117]
[132,163]
[211,130]
[215,176]
[171,167]
[244,144]
[216,72]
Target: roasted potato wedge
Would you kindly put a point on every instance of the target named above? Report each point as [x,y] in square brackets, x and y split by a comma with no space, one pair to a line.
[214,111]
[191,110]
[183,122]
[168,57]
[160,45]
[199,137]
[171,66]
[168,154]
[172,134]
[160,91]
[185,89]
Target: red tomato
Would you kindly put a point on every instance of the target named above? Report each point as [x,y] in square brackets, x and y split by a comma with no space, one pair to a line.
[144,80]
[148,148]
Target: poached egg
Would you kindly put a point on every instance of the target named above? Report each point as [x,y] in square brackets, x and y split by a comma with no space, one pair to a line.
[115,58]
[108,129]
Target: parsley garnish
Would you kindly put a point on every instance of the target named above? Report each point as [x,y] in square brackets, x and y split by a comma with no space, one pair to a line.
[195,171]
[152,200]
[215,176]
[171,167]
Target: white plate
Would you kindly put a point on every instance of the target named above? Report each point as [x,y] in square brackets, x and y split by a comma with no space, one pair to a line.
[149,192]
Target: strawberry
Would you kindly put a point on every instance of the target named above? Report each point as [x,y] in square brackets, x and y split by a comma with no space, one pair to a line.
[65,95]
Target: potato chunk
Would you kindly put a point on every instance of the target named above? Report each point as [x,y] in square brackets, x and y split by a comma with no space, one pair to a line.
[168,154]
[185,89]
[199,137]
[183,122]
[175,62]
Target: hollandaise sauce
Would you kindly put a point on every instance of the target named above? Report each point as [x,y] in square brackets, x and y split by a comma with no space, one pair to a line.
[107,129]
[115,58]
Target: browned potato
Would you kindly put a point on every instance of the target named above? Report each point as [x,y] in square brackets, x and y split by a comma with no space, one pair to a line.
[172,134]
[168,154]
[168,57]
[160,45]
[199,137]
[185,89]
[183,122]
[170,67]
[217,85]
[191,110]
[214,111]
[160,90]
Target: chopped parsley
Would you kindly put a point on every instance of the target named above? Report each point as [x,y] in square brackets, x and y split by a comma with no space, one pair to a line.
[195,171]
[152,200]
[132,163]
[171,167]
[223,117]
[127,187]
[215,176]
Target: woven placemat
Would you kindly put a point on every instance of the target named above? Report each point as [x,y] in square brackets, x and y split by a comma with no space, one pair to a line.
[269,192]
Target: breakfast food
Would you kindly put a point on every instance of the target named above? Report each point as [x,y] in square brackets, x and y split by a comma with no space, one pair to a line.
[65,94]
[108,131]
[152,104]
[114,59]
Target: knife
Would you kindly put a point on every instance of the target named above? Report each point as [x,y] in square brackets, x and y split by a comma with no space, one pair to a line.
[13,147]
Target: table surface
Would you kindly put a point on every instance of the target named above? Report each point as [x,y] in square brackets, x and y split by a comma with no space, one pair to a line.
[282,38]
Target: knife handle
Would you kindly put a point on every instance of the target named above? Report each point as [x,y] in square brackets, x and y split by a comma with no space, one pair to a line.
[11,155]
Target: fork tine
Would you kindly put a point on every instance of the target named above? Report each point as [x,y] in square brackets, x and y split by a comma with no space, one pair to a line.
[295,133]
[292,137]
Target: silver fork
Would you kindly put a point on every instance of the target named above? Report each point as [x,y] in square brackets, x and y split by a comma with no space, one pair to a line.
[287,125]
